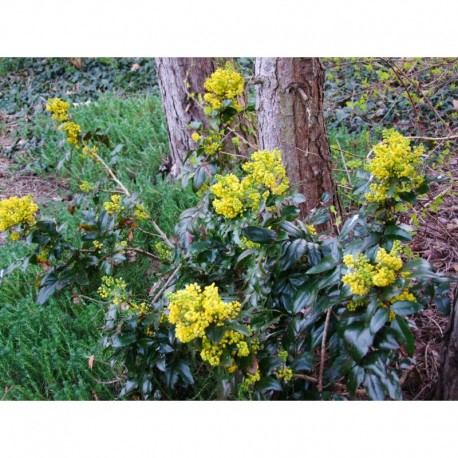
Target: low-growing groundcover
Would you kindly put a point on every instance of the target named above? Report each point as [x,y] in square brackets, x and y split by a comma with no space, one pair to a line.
[244,294]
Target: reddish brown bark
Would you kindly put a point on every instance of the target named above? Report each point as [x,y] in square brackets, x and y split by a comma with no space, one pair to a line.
[290,117]
[178,78]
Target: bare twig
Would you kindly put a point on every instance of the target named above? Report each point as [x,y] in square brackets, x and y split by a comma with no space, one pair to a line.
[111,173]
[344,162]
[323,351]
[165,285]
[161,233]
[435,139]
[144,252]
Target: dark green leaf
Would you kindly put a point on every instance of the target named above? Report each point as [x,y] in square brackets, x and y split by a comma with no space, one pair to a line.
[304,298]
[304,362]
[327,263]
[259,234]
[215,333]
[241,328]
[374,387]
[358,339]
[379,319]
[268,384]
[404,334]
[397,233]
[405,307]
[199,178]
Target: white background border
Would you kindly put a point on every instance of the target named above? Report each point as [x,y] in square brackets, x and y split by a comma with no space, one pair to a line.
[322,28]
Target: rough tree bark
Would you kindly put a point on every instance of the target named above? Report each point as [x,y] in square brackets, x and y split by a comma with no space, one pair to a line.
[290,117]
[178,78]
[447,386]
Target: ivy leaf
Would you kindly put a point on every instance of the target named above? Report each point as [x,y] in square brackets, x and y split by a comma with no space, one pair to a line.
[259,234]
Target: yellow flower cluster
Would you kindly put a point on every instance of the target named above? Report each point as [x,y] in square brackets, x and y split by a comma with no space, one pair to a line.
[139,309]
[73,132]
[285,374]
[89,151]
[17,210]
[265,175]
[141,213]
[406,295]
[212,144]
[250,380]
[86,186]
[193,310]
[224,84]
[233,340]
[164,253]
[113,289]
[266,169]
[311,229]
[98,245]
[114,205]
[395,165]
[245,243]
[58,108]
[283,355]
[231,193]
[366,274]
[353,305]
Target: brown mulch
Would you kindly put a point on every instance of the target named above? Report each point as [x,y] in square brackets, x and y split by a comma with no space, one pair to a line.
[436,241]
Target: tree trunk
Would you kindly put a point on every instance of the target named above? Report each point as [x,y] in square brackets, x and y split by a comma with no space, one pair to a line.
[290,117]
[178,79]
[447,385]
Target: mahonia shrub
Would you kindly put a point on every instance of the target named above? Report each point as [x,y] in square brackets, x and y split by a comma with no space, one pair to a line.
[249,295]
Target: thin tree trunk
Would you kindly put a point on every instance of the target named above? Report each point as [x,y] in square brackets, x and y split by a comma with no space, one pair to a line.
[290,117]
[447,385]
[179,80]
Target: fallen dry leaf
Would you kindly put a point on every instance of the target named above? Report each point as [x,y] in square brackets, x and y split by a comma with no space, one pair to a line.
[90,361]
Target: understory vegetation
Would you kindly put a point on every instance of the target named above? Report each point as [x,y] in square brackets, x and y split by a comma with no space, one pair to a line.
[137,286]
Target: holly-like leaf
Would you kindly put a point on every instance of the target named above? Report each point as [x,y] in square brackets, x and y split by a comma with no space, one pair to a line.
[259,234]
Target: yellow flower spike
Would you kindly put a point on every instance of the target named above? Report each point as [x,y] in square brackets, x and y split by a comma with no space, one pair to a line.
[114,205]
[224,84]
[193,310]
[17,210]
[394,160]
[58,108]
[73,132]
